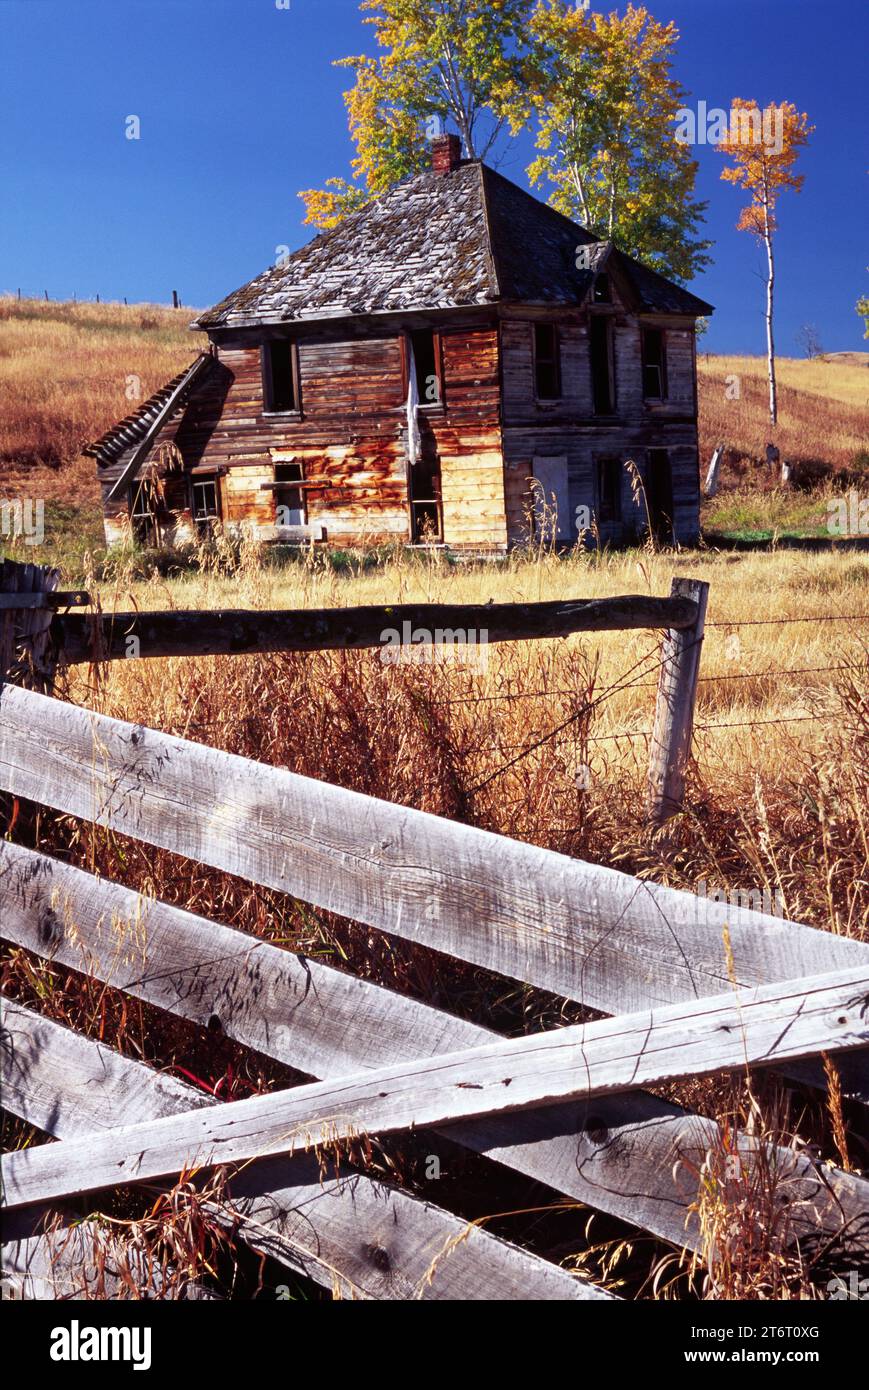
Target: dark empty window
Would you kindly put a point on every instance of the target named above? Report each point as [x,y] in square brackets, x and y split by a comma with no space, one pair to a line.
[426,361]
[600,347]
[602,292]
[609,490]
[547,365]
[205,502]
[279,376]
[654,365]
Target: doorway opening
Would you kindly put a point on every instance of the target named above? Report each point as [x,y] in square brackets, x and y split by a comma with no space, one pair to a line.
[424,487]
[659,493]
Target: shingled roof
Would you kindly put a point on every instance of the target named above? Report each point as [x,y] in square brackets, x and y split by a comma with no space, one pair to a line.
[439,241]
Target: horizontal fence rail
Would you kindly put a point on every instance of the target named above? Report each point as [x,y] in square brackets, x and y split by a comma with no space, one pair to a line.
[352,1234]
[585,932]
[630,1155]
[788,1020]
[106,637]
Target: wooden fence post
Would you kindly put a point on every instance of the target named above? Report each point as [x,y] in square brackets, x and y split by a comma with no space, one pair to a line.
[674,712]
[27,655]
[710,486]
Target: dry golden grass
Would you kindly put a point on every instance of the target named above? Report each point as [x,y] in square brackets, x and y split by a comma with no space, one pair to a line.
[64,375]
[776,688]
[823,408]
[780,807]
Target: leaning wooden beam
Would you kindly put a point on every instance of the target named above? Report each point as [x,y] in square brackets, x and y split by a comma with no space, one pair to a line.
[106,637]
[797,1018]
[580,930]
[629,1155]
[351,1234]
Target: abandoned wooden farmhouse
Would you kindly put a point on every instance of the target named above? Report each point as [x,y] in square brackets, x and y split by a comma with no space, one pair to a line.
[405,377]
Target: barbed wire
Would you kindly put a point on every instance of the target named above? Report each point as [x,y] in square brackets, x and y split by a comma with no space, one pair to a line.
[698,728]
[810,618]
[648,685]
[586,709]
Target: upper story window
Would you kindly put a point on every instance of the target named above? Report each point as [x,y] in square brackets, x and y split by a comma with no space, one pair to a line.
[280,376]
[654,351]
[602,291]
[600,335]
[425,345]
[547,362]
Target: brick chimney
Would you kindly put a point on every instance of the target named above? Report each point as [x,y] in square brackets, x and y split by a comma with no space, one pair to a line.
[446,152]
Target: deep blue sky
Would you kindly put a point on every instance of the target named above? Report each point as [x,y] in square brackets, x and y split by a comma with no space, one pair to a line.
[240,107]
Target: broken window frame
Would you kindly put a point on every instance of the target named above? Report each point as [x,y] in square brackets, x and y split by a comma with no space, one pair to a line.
[605,320]
[203,519]
[422,379]
[283,484]
[144,521]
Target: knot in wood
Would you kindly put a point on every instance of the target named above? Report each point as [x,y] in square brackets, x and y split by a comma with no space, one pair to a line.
[50,927]
[596,1130]
[378,1256]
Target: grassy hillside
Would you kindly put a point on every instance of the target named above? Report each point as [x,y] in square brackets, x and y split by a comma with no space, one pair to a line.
[823,430]
[65,374]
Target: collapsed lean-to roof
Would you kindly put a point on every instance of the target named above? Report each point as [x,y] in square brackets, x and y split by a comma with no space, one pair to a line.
[131,435]
[440,241]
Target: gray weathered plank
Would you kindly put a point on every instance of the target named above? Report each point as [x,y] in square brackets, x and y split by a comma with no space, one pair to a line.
[311,1016]
[796,1018]
[327,1024]
[578,929]
[350,1234]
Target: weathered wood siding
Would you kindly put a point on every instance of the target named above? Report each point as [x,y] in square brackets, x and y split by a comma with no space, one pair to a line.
[349,437]
[569,428]
[467,432]
[350,434]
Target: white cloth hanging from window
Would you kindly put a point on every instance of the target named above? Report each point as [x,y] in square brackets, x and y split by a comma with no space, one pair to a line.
[414,437]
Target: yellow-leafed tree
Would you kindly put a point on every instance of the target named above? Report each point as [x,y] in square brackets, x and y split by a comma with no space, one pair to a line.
[439,60]
[764,146]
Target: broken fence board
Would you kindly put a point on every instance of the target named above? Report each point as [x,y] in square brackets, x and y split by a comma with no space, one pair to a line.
[796,1018]
[629,1155]
[351,1234]
[578,929]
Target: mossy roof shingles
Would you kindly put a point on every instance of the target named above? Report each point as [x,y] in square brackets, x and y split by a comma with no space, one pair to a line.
[438,241]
